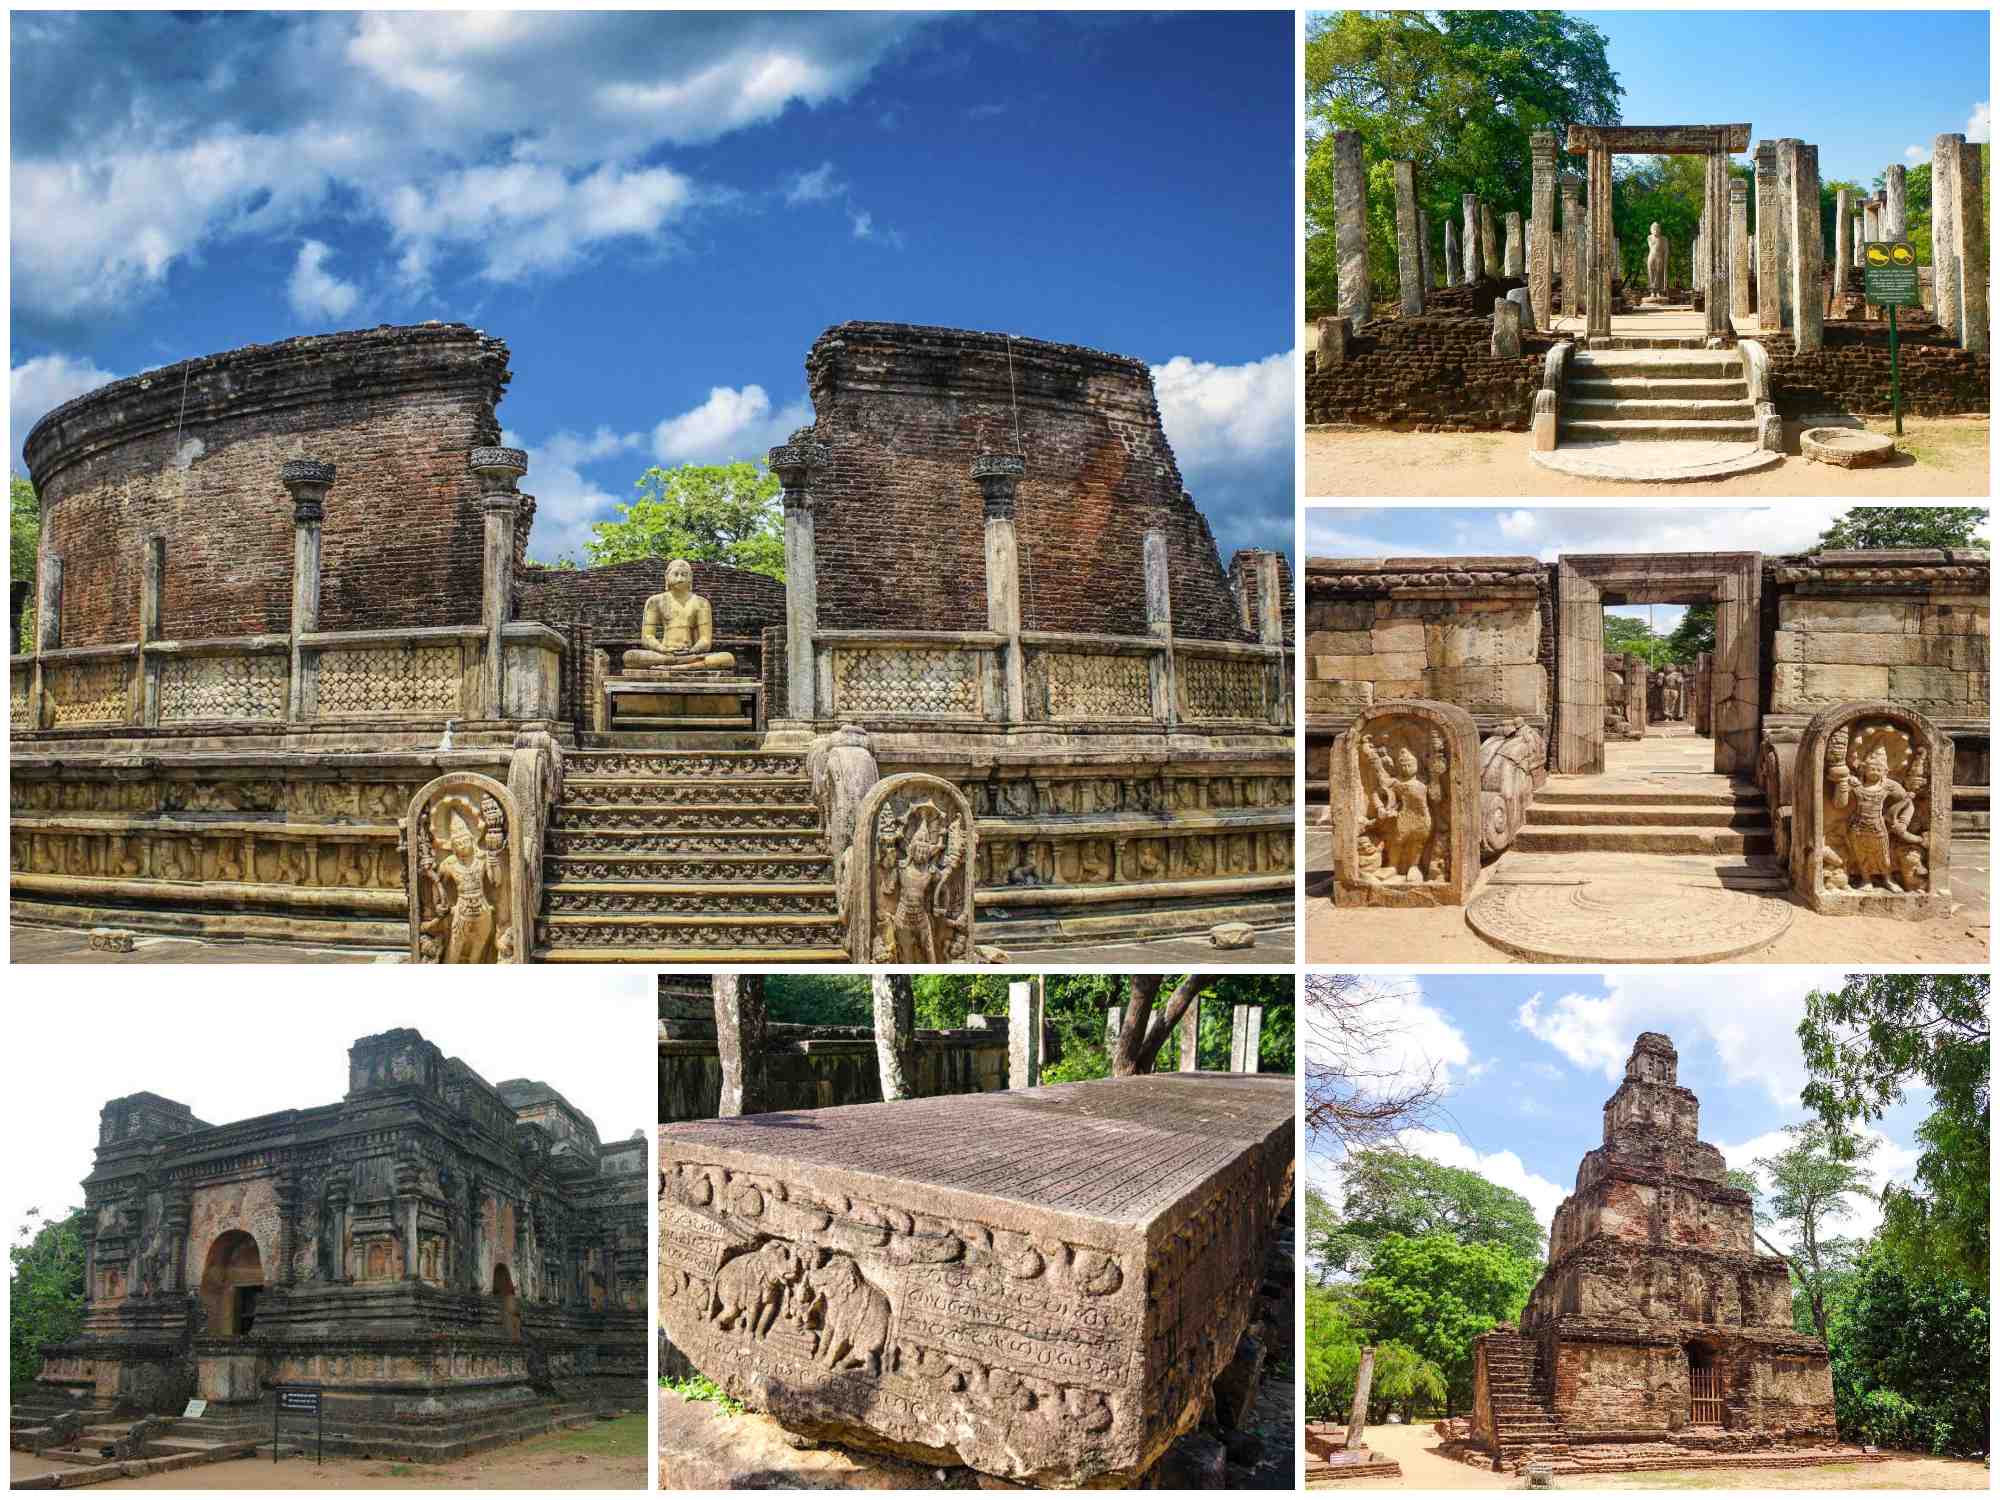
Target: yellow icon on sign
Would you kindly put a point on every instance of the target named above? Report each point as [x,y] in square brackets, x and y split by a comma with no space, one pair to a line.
[1902,255]
[1878,255]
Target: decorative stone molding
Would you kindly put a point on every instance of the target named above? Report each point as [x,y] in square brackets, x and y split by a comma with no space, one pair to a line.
[909,874]
[1871,813]
[997,474]
[308,479]
[1405,791]
[467,873]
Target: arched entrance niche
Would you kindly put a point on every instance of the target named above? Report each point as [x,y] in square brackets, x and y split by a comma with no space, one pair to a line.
[510,1308]
[232,1279]
[1704,1387]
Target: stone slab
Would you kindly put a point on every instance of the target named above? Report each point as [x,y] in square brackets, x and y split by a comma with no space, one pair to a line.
[1627,921]
[1041,1284]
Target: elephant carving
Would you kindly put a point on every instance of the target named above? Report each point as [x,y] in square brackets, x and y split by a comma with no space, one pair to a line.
[851,1314]
[752,1290]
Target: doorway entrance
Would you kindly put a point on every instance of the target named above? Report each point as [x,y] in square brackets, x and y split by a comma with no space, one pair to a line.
[1704,1388]
[232,1280]
[510,1309]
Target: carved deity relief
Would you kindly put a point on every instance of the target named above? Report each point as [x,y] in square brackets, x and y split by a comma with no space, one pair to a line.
[911,873]
[1402,794]
[465,875]
[1877,810]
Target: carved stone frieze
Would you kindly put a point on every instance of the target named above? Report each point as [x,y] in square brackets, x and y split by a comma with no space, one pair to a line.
[1089,686]
[830,933]
[910,873]
[1871,823]
[466,876]
[1079,859]
[223,687]
[229,858]
[1405,792]
[357,682]
[909,681]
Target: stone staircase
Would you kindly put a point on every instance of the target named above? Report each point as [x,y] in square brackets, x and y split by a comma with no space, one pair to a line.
[92,1456]
[1725,816]
[1657,394]
[1523,1428]
[661,853]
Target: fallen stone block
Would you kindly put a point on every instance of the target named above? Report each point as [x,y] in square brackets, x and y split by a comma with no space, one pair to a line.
[1042,1284]
[1232,935]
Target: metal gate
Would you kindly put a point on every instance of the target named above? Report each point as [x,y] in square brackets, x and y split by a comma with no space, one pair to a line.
[1705,1389]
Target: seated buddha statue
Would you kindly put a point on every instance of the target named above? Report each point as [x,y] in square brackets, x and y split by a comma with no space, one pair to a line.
[678,629]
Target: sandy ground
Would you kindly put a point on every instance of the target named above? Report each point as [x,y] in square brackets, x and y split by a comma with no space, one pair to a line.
[1423,1469]
[1940,457]
[603,1456]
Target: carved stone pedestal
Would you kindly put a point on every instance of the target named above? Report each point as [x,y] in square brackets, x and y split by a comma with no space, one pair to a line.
[1405,791]
[1871,813]
[666,701]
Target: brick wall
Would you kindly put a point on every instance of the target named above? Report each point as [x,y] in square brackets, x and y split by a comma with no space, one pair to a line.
[1432,373]
[1850,373]
[900,524]
[612,599]
[396,409]
[1243,583]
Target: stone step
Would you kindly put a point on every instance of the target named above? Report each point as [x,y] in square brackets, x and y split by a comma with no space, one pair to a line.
[1745,814]
[694,764]
[678,741]
[1572,838]
[1666,430]
[572,954]
[1657,409]
[698,899]
[1650,364]
[1729,794]
[667,724]
[655,868]
[663,791]
[611,839]
[1641,388]
[707,816]
[579,937]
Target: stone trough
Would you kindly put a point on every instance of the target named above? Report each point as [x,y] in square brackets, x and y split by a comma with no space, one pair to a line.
[1041,1284]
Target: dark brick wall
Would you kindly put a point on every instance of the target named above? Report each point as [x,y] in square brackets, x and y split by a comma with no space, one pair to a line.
[900,524]
[1850,372]
[612,599]
[1433,373]
[396,409]
[1243,580]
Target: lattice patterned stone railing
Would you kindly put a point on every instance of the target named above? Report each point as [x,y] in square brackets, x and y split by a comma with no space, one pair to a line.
[20,693]
[419,678]
[201,688]
[1217,687]
[1076,682]
[867,674]
[92,690]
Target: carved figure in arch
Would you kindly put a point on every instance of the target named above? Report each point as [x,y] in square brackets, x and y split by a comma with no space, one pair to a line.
[678,629]
[850,1315]
[1401,817]
[917,853]
[1869,817]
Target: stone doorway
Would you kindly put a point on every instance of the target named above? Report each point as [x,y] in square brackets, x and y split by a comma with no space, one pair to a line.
[510,1309]
[232,1280]
[1704,1387]
[1731,581]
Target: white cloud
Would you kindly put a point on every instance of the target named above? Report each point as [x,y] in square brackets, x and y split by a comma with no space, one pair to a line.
[1519,524]
[730,424]
[1980,126]
[1220,416]
[314,291]
[1892,1162]
[816,186]
[566,502]
[863,222]
[1916,155]
[1751,1023]
[38,386]
[1792,527]
[1415,1043]
[1502,1168]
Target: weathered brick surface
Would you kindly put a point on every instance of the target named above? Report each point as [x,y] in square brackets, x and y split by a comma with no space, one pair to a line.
[1243,581]
[900,524]
[1433,373]
[613,598]
[1850,373]
[396,409]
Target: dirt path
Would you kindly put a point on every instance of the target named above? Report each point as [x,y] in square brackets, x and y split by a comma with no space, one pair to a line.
[1424,1469]
[1941,456]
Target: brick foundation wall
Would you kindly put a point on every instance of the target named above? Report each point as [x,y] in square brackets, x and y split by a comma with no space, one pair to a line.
[900,524]
[396,409]
[613,598]
[1433,373]
[1850,373]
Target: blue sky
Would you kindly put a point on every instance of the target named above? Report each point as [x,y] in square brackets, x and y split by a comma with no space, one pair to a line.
[661,212]
[1868,87]
[1529,1060]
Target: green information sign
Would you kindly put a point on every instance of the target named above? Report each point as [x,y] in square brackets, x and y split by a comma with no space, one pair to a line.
[1889,273]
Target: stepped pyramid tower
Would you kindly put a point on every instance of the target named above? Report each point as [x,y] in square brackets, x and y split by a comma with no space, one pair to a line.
[1657,1322]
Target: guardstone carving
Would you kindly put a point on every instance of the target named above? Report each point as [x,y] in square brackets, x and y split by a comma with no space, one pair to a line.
[1871,820]
[1405,806]
[466,873]
[910,874]
[1512,764]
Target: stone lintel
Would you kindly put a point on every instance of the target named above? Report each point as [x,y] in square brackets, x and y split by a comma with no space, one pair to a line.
[1656,140]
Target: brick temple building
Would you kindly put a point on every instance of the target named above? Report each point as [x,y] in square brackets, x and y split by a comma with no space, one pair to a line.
[452,1263]
[1658,1333]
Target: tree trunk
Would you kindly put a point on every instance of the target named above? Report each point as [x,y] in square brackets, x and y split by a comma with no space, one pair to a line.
[1145,1029]
[895,1033]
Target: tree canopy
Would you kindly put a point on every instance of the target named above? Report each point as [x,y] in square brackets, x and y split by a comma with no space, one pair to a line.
[1435,1295]
[720,513]
[1812,1180]
[1389,1192]
[45,1291]
[1912,1358]
[1906,526]
[24,539]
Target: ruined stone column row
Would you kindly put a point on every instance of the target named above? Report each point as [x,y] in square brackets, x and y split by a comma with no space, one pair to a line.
[1350,226]
[1409,240]
[1542,203]
[1770,308]
[1801,214]
[1739,248]
[1600,241]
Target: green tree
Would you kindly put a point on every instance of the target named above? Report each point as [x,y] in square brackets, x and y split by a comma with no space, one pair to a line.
[1912,1359]
[1694,635]
[720,513]
[24,540]
[1436,1296]
[1398,1192]
[1625,636]
[1906,526]
[1812,1180]
[1458,93]
[45,1292]
[819,999]
[1403,1380]
[1864,1044]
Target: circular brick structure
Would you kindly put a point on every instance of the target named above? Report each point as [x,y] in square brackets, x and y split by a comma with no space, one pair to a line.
[1627,921]
[1846,447]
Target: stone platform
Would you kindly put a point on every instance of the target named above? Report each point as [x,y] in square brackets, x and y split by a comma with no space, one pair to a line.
[1042,1285]
[659,701]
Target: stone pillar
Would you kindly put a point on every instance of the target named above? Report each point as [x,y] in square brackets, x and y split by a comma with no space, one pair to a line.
[309,479]
[1190,1043]
[175,1220]
[1739,248]
[1843,235]
[1160,626]
[1506,329]
[1854,252]
[1024,1036]
[1452,275]
[1350,225]
[1514,260]
[895,1034]
[1270,601]
[1409,240]
[409,1183]
[1474,261]
[1803,230]
[1718,301]
[1572,227]
[793,463]
[1489,242]
[1600,240]
[1871,219]
[1333,335]
[1113,1016]
[1777,255]
[740,1025]
[1543,211]
[1239,1024]
[1895,203]
[152,578]
[997,474]
[336,1228]
[498,470]
[1968,222]
[1424,249]
[1944,233]
[1358,1418]
[1253,1038]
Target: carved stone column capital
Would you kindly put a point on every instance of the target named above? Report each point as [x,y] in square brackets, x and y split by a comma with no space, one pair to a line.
[308,480]
[499,471]
[793,463]
[997,475]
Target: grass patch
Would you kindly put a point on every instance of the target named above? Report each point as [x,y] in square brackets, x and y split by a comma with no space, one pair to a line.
[701,1388]
[1942,443]
[621,1437]
[401,1471]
